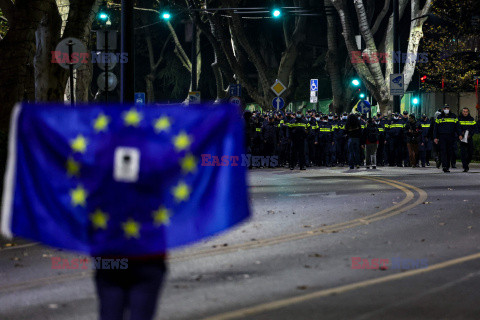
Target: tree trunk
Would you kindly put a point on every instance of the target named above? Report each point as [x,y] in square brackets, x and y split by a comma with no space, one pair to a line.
[49,77]
[16,54]
[333,67]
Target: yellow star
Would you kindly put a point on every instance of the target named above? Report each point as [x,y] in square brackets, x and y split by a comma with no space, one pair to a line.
[132,118]
[181,192]
[188,163]
[101,123]
[161,216]
[79,196]
[131,229]
[73,167]
[99,219]
[79,144]
[162,124]
[182,141]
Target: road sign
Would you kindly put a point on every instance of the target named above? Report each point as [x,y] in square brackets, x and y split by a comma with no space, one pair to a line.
[194,97]
[363,106]
[139,98]
[396,84]
[278,87]
[278,103]
[235,90]
[112,81]
[313,99]
[314,85]
[235,100]
[78,50]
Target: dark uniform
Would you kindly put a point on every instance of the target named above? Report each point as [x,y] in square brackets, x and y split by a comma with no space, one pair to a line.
[282,150]
[297,133]
[325,139]
[341,141]
[382,155]
[396,141]
[467,123]
[269,137]
[446,130]
[310,141]
[425,144]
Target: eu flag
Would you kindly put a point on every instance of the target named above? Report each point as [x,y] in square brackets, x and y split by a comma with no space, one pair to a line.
[122,180]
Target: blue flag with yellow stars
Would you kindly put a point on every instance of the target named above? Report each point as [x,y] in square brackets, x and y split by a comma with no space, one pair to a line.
[123,180]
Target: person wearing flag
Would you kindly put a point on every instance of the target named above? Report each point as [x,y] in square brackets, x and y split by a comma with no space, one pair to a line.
[120,182]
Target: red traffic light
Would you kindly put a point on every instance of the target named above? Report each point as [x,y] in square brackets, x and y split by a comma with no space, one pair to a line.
[423,78]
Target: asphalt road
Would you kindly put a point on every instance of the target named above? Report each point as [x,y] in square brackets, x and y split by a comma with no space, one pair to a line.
[293,259]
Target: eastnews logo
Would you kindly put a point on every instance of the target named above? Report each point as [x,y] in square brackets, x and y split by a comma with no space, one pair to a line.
[393,263]
[83,57]
[383,57]
[59,263]
[244,160]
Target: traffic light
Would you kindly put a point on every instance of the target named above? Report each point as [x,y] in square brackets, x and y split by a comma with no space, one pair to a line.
[276,13]
[415,101]
[166,15]
[103,16]
[423,78]
[356,82]
[362,95]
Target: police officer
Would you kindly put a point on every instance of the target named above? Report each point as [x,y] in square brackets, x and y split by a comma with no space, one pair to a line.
[425,143]
[325,140]
[310,146]
[445,132]
[341,140]
[269,137]
[395,140]
[257,141]
[468,127]
[405,155]
[282,140]
[382,157]
[297,134]
[436,147]
[332,157]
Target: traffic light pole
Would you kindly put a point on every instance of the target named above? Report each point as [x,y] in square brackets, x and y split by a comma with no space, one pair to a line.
[127,70]
[106,65]
[194,56]
[70,67]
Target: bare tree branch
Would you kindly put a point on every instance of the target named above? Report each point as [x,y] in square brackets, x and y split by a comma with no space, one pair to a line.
[7,8]
[380,17]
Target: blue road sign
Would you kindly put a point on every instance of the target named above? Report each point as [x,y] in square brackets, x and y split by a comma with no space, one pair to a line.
[314,85]
[235,90]
[278,103]
[363,106]
[139,98]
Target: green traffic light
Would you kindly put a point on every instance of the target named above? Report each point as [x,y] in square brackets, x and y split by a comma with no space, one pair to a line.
[415,100]
[362,95]
[103,16]
[355,82]
[166,15]
[276,13]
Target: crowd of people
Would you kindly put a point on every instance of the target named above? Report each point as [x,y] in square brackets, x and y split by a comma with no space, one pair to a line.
[329,140]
